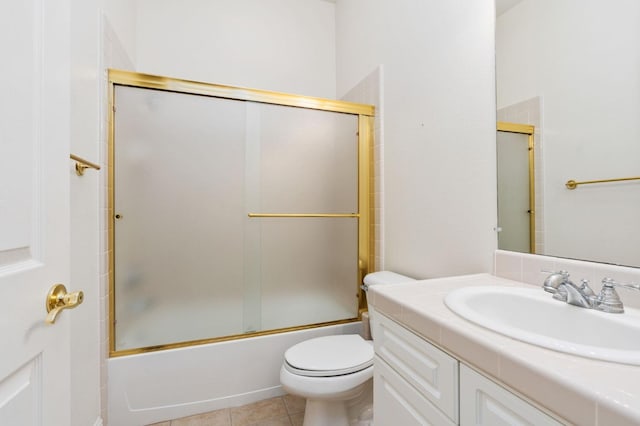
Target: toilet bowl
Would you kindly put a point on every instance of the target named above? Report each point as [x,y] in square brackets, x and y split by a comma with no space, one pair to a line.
[334,373]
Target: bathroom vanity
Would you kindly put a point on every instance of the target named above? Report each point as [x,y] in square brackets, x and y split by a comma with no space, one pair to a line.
[433,367]
[417,384]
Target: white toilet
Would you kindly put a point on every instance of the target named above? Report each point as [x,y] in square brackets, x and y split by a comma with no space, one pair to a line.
[334,372]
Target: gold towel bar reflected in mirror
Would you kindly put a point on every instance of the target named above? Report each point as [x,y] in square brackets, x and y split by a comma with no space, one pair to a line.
[572,184]
[303,215]
[82,164]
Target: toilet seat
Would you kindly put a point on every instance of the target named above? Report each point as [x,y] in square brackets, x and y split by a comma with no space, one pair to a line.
[329,356]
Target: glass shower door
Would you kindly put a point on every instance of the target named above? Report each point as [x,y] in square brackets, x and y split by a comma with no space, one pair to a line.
[232,217]
[305,215]
[179,217]
[515,209]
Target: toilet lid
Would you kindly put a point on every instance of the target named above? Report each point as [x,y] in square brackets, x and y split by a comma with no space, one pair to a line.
[329,356]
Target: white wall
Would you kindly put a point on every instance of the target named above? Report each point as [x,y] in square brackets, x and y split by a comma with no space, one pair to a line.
[439,126]
[582,59]
[280,45]
[85,199]
[121,18]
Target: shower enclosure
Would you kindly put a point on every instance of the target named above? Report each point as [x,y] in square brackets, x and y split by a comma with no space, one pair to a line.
[516,187]
[234,212]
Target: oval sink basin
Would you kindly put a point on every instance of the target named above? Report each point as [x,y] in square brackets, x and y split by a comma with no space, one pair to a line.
[533,316]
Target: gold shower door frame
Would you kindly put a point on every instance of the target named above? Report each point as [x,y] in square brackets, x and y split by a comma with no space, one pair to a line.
[365,214]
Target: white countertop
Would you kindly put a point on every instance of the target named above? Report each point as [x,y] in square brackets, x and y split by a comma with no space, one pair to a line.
[583,391]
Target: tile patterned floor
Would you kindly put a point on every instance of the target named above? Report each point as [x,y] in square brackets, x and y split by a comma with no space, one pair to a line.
[287,410]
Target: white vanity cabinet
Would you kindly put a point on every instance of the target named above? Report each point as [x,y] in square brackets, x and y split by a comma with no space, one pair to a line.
[398,403]
[484,402]
[415,383]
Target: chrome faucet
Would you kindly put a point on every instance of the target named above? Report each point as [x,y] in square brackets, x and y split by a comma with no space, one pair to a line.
[554,281]
[563,289]
[581,295]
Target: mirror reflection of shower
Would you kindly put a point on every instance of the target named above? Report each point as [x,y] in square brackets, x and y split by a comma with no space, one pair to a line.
[232,217]
[572,67]
[516,187]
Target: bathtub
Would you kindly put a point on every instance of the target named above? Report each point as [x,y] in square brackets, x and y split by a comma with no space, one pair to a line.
[151,387]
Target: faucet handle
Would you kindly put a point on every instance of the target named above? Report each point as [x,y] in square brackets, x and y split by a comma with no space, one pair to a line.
[586,290]
[610,282]
[608,300]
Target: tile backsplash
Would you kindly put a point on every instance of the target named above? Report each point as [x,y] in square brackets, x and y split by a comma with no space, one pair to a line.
[529,269]
[369,91]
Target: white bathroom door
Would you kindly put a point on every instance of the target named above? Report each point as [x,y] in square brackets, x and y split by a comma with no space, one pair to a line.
[34,210]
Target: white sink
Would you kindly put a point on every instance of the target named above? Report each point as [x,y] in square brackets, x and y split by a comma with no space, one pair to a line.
[533,316]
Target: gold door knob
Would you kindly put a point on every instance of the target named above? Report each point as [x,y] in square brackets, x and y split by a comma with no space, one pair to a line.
[58,299]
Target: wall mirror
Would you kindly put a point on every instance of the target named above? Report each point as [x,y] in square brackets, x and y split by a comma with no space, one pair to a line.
[571,69]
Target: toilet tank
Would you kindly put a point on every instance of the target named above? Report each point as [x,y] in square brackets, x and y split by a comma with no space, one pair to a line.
[382,278]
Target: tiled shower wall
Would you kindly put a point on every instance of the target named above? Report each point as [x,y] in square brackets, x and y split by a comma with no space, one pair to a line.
[530,112]
[114,56]
[369,91]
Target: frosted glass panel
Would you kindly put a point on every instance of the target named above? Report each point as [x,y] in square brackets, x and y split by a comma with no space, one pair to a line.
[308,161]
[309,268]
[513,192]
[190,263]
[179,244]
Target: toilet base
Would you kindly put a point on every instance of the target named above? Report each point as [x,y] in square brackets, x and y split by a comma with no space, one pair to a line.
[357,411]
[322,413]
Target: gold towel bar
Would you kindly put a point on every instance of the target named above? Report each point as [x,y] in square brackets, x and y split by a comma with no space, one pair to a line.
[572,184]
[82,164]
[303,215]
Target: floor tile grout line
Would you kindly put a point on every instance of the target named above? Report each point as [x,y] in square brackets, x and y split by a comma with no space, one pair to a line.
[286,407]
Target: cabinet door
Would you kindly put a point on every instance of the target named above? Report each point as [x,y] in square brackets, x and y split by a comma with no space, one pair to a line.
[483,402]
[429,370]
[396,402]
